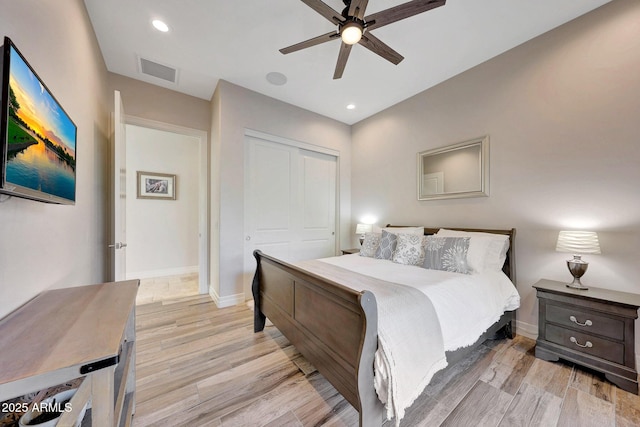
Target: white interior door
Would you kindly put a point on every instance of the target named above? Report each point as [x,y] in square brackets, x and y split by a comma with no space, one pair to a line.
[433,183]
[317,197]
[290,203]
[119,215]
[270,199]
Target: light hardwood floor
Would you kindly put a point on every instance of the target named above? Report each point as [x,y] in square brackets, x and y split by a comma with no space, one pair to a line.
[166,288]
[198,365]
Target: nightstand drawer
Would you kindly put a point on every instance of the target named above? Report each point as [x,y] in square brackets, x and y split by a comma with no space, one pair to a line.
[601,348]
[588,322]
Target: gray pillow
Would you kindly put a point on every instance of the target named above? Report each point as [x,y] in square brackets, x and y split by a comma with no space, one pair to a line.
[388,243]
[370,244]
[447,254]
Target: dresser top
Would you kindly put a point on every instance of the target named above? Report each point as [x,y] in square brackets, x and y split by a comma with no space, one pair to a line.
[596,294]
[65,328]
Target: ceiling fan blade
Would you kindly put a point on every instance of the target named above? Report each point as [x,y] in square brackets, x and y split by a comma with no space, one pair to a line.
[324,10]
[402,11]
[376,45]
[311,42]
[345,50]
[357,8]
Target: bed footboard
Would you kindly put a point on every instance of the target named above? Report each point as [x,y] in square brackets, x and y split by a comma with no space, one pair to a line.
[334,327]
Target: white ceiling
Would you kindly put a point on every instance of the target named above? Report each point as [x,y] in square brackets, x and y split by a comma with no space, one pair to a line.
[238,41]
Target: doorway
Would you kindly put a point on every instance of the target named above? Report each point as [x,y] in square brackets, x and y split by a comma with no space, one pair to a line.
[167,239]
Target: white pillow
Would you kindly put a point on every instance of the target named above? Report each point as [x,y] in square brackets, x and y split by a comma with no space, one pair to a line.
[410,249]
[416,231]
[487,251]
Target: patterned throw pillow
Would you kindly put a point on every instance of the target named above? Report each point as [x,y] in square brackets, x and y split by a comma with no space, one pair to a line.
[486,251]
[370,244]
[388,243]
[447,254]
[410,249]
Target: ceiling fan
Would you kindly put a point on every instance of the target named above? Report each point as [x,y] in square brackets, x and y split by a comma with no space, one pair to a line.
[354,27]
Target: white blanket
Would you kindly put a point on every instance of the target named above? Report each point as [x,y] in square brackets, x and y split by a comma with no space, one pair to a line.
[410,346]
[467,304]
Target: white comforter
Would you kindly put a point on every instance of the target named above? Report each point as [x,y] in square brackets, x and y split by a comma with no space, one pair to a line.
[467,304]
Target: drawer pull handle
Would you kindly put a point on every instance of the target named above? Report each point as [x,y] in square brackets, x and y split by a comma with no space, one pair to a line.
[575,341]
[586,323]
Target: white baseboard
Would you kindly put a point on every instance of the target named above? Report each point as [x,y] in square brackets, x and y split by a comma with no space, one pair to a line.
[527,329]
[162,273]
[228,301]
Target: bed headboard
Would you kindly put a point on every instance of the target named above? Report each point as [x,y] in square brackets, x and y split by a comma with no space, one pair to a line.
[509,267]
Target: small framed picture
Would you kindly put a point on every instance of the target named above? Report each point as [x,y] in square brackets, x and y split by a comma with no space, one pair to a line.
[152,185]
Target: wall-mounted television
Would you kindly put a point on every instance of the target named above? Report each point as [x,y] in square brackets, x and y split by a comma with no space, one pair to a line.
[37,137]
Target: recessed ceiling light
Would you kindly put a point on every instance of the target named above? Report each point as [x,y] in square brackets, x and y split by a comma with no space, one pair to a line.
[351,106]
[160,26]
[276,78]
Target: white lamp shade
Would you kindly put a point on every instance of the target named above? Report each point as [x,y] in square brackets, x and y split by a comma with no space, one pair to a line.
[578,242]
[363,228]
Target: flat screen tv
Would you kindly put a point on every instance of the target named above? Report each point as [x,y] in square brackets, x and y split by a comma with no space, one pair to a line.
[38,138]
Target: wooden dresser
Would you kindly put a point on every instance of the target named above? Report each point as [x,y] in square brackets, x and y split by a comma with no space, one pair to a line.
[63,334]
[593,328]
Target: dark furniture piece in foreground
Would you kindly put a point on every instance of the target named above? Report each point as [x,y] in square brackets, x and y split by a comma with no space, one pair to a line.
[335,327]
[593,328]
[350,251]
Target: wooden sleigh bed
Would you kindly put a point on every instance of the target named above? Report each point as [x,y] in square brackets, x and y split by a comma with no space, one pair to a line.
[335,327]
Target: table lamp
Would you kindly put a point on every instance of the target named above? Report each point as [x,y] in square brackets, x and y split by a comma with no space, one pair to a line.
[361,229]
[578,243]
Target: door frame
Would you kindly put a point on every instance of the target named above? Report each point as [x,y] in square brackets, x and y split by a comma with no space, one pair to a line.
[291,143]
[203,189]
[117,239]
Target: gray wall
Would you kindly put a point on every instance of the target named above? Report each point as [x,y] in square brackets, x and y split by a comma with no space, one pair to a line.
[45,246]
[563,115]
[162,235]
[562,112]
[236,109]
[151,102]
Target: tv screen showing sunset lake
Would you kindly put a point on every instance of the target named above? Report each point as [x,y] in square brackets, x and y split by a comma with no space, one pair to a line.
[41,138]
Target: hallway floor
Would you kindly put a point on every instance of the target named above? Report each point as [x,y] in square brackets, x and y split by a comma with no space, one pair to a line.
[165,288]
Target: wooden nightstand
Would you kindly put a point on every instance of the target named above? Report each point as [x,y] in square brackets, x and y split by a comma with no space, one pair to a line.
[593,328]
[350,251]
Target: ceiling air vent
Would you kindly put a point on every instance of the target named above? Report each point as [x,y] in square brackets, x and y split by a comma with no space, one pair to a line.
[158,70]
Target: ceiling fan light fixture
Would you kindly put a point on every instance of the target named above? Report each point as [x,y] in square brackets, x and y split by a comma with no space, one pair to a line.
[352,24]
[351,32]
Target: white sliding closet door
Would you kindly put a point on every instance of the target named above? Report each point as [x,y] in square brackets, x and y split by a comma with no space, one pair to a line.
[270,198]
[317,211]
[290,203]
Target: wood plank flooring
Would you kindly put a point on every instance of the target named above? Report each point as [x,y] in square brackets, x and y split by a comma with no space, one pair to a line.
[198,365]
[168,287]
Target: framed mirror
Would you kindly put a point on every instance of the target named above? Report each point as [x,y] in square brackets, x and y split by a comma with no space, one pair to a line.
[456,171]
